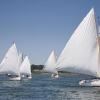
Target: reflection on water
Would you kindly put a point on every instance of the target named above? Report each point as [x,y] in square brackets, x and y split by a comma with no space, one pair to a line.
[43,87]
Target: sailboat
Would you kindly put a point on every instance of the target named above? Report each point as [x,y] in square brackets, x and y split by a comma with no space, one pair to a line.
[94,82]
[10,63]
[81,53]
[50,65]
[25,68]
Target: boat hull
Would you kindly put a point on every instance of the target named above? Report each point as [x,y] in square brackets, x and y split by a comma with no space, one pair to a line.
[26,76]
[29,77]
[55,75]
[94,82]
[15,78]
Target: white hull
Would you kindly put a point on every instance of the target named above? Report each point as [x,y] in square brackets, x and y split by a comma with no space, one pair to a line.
[22,76]
[55,75]
[29,77]
[26,77]
[15,78]
[93,82]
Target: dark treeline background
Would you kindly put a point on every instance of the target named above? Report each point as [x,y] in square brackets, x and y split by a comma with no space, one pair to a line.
[36,67]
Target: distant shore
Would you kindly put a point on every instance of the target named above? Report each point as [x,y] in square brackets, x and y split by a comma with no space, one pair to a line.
[39,69]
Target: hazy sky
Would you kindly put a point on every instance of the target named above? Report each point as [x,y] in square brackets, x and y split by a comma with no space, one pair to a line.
[39,26]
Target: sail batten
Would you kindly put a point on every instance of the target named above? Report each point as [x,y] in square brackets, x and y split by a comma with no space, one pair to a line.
[80,54]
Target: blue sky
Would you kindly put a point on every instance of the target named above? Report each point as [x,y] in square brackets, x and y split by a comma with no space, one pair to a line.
[39,26]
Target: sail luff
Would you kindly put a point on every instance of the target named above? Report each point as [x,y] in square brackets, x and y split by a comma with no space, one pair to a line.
[80,54]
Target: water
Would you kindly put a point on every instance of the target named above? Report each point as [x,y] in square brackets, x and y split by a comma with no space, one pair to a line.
[43,87]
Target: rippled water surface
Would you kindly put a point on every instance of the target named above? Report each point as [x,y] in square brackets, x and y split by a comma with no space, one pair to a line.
[43,87]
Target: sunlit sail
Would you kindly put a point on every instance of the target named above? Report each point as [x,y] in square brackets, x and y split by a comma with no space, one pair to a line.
[81,53]
[25,68]
[10,63]
[50,64]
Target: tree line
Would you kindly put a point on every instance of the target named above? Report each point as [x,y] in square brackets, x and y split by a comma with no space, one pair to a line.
[36,67]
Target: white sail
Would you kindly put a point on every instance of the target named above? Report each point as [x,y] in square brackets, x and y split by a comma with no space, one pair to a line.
[50,63]
[20,58]
[10,63]
[81,53]
[25,68]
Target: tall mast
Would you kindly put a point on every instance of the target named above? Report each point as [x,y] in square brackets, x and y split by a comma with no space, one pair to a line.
[98,28]
[98,18]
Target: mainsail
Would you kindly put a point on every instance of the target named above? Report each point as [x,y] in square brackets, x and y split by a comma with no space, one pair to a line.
[20,58]
[50,63]
[10,63]
[25,68]
[81,53]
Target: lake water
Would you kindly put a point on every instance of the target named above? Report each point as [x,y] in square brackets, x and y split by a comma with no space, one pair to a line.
[43,87]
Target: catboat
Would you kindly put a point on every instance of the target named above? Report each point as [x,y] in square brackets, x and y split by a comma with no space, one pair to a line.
[50,65]
[10,64]
[82,53]
[25,68]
